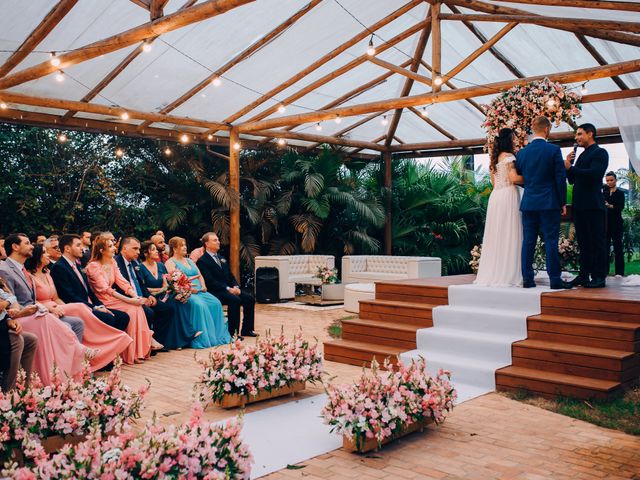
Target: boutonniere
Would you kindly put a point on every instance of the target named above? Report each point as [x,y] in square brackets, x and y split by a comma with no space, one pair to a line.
[136,268]
[222,260]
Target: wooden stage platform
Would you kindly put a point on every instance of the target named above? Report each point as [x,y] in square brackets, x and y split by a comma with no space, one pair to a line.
[584,343]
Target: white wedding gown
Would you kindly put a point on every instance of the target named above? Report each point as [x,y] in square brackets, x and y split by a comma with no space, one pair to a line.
[500,259]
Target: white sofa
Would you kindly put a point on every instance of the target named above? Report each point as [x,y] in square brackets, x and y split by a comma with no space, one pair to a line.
[378,268]
[294,269]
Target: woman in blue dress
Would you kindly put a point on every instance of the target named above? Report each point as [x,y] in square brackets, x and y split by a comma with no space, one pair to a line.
[152,271]
[204,310]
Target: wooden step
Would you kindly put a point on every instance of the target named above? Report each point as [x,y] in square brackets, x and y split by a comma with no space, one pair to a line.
[552,384]
[616,360]
[433,291]
[603,374]
[409,313]
[585,331]
[359,353]
[610,304]
[380,332]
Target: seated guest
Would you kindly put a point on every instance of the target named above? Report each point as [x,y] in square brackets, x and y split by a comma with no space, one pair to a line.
[73,287]
[12,270]
[86,248]
[108,341]
[158,241]
[102,272]
[159,314]
[164,238]
[3,254]
[40,239]
[52,247]
[17,347]
[56,343]
[203,310]
[221,283]
[181,331]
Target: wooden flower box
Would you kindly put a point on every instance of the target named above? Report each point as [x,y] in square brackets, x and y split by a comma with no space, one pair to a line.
[369,444]
[51,445]
[237,400]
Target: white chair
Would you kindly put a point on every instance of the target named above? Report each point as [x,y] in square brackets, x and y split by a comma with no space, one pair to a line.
[294,269]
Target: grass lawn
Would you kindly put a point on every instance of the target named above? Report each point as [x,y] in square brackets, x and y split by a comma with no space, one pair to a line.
[621,413]
[630,268]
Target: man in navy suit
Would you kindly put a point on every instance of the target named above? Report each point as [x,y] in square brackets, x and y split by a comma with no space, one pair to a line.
[222,284]
[589,212]
[544,200]
[73,287]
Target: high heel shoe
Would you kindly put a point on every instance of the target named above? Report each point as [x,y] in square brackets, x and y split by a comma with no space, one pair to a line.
[138,361]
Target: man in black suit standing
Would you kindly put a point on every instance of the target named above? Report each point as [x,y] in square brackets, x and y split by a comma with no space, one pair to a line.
[221,283]
[159,314]
[588,207]
[73,287]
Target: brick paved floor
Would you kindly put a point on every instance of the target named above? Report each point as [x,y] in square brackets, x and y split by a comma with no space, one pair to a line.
[490,437]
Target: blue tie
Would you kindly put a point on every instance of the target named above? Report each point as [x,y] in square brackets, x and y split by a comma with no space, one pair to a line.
[135,280]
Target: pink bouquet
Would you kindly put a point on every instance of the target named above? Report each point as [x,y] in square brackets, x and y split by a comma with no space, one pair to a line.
[194,450]
[327,275]
[179,285]
[476,253]
[379,404]
[29,414]
[272,363]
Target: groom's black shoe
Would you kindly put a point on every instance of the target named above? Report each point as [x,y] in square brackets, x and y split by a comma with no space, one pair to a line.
[579,280]
[596,283]
[528,284]
[561,285]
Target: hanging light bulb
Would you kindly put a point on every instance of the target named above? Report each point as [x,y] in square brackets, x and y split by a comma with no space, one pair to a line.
[584,90]
[438,80]
[236,146]
[216,81]
[282,108]
[167,151]
[119,152]
[55,61]
[62,138]
[3,106]
[371,50]
[338,120]
[318,127]
[384,121]
[184,138]
[60,76]
[209,137]
[146,47]
[282,142]
[424,112]
[124,116]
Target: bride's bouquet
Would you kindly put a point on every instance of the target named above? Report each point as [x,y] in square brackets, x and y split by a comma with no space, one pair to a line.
[178,285]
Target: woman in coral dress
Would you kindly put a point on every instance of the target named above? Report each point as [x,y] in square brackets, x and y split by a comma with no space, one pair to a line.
[102,272]
[108,341]
[57,344]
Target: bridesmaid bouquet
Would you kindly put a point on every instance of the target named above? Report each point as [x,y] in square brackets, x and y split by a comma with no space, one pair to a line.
[179,285]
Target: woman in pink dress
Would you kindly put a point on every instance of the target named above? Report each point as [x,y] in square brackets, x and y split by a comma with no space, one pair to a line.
[108,341]
[57,344]
[102,272]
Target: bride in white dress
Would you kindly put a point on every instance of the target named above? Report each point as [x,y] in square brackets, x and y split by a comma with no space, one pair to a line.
[500,260]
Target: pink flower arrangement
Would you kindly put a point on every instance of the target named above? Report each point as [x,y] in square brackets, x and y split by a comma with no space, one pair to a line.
[194,450]
[327,275]
[518,106]
[474,263]
[273,362]
[179,285]
[380,404]
[29,414]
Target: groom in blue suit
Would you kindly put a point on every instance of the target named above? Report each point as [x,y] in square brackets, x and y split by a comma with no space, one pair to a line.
[544,200]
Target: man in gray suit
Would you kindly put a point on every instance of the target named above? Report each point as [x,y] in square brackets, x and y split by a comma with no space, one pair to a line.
[19,248]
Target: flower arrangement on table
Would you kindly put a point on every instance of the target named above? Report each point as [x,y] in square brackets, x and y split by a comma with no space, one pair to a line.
[381,405]
[194,450]
[476,253]
[31,414]
[327,275]
[179,285]
[246,370]
[517,107]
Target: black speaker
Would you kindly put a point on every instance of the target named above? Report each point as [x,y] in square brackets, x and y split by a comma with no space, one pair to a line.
[267,285]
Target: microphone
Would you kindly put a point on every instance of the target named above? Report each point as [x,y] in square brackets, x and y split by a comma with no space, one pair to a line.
[575,149]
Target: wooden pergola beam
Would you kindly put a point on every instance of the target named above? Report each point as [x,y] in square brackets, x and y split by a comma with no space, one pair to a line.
[573,76]
[353,126]
[602,4]
[551,22]
[599,58]
[436,44]
[450,84]
[402,71]
[243,55]
[194,14]
[48,23]
[156,8]
[21,99]
[346,142]
[607,96]
[324,59]
[450,136]
[142,3]
[234,208]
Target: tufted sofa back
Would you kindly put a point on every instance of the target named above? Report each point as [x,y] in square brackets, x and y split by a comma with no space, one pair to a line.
[387,264]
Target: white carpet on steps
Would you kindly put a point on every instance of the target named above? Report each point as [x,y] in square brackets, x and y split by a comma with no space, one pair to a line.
[472,335]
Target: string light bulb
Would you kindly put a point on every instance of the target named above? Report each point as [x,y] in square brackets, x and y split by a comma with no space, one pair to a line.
[3,106]
[584,90]
[338,120]
[371,50]
[236,146]
[184,138]
[62,138]
[119,152]
[384,121]
[55,61]
[424,112]
[282,142]
[438,80]
[209,137]
[282,108]
[60,76]
[146,47]
[167,151]
[318,127]
[124,116]
[216,81]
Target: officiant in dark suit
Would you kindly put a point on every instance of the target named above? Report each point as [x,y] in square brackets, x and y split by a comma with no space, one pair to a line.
[589,212]
[221,283]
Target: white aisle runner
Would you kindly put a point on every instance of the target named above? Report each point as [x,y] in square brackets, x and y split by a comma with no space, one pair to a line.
[287,434]
[472,336]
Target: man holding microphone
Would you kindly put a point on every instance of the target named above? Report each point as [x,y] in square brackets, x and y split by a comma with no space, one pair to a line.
[588,207]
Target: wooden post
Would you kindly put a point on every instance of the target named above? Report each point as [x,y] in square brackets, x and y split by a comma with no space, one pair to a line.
[388,217]
[234,210]
[436,46]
